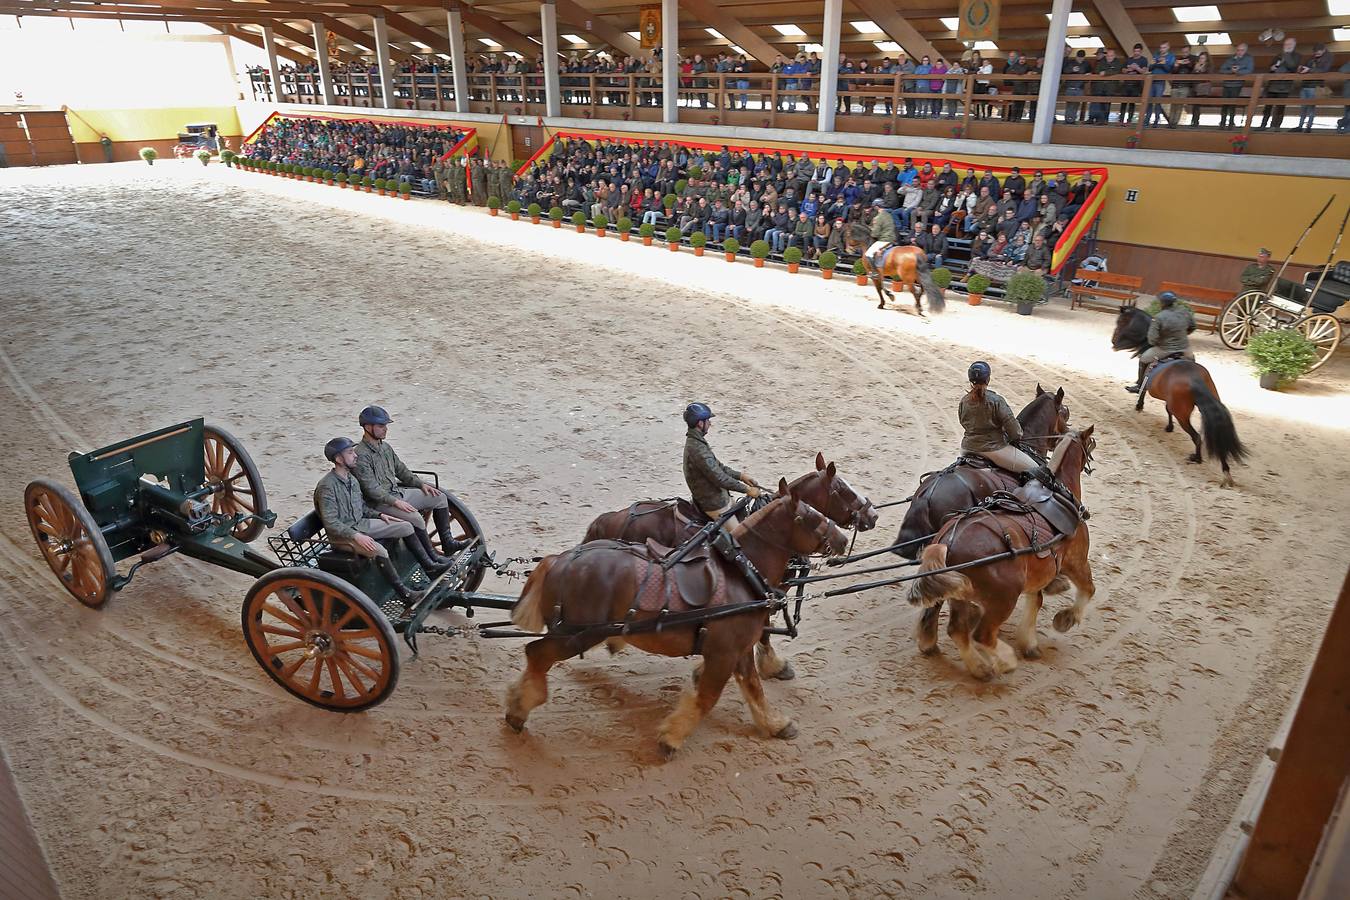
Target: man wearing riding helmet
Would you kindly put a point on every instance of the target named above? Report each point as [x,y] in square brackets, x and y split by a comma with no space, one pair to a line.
[1168,333]
[709,481]
[883,231]
[992,431]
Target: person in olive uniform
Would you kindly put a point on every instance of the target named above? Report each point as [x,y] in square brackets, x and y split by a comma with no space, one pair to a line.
[883,231]
[1168,333]
[992,431]
[710,482]
[478,186]
[458,183]
[1256,276]
[352,526]
[440,170]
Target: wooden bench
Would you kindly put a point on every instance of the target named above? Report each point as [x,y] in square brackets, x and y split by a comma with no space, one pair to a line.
[1108,292]
[1205,301]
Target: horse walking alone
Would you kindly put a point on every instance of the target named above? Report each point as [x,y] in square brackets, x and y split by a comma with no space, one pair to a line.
[905,264]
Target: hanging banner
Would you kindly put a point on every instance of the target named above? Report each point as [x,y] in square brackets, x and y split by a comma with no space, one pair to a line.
[979,20]
[649,25]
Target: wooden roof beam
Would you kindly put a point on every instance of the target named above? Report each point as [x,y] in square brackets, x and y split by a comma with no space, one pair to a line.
[573,14]
[732,28]
[249,37]
[438,42]
[897,27]
[503,34]
[1120,23]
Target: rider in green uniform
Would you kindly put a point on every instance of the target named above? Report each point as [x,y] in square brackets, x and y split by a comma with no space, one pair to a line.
[710,482]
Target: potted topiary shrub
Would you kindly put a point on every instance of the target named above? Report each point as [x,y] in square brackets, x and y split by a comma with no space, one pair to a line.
[680,186]
[149,154]
[1025,289]
[513,207]
[793,257]
[494,204]
[366,183]
[731,247]
[698,240]
[535,210]
[556,214]
[380,184]
[579,220]
[647,231]
[942,277]
[228,157]
[405,190]
[760,251]
[601,222]
[695,171]
[976,285]
[668,201]
[624,226]
[828,260]
[341,179]
[203,156]
[1280,356]
[860,271]
[673,236]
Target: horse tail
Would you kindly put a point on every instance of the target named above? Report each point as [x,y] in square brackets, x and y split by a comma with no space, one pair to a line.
[930,589]
[1221,437]
[528,613]
[936,301]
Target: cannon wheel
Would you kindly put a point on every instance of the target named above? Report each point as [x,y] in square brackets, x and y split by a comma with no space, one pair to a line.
[70,541]
[465,526]
[1242,318]
[240,487]
[1324,331]
[321,639]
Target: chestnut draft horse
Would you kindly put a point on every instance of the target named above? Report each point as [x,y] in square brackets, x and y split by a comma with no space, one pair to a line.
[956,488]
[983,597]
[599,583]
[660,520]
[905,264]
[1183,385]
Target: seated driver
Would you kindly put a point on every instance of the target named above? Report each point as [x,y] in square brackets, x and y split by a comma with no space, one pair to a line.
[709,481]
[391,489]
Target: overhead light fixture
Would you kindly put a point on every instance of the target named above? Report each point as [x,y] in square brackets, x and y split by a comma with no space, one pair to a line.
[985,45]
[1196,13]
[715,33]
[489,42]
[635,35]
[514,55]
[888,46]
[867,26]
[1340,34]
[951,23]
[1084,43]
[420,45]
[813,48]
[789,31]
[572,39]
[1075,18]
[737,48]
[1210,39]
[1338,7]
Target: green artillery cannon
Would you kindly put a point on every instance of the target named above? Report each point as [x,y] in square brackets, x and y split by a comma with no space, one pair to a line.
[309,618]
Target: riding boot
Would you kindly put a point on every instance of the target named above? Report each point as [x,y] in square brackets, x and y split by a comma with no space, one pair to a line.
[425,540]
[443,527]
[415,546]
[1138,385]
[1047,478]
[404,593]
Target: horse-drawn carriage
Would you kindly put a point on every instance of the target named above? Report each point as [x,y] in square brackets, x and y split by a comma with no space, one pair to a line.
[1310,308]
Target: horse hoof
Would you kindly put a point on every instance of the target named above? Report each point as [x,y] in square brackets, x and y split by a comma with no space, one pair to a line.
[1194,458]
[881,306]
[930,650]
[787,673]
[787,732]
[516,722]
[1031,653]
[1064,620]
[1169,429]
[667,751]
[1228,482]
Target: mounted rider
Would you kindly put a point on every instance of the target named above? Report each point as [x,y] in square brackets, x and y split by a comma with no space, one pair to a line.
[1168,336]
[993,432]
[709,481]
[882,231]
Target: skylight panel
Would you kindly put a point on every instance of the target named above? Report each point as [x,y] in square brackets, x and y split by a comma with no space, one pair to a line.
[715,33]
[1338,7]
[573,39]
[1075,18]
[813,48]
[1196,13]
[1340,34]
[737,48]
[985,45]
[951,23]
[1210,39]
[635,35]
[489,42]
[1084,43]
[867,26]
[789,31]
[888,46]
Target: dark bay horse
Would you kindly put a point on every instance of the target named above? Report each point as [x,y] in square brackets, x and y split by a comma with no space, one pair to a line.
[660,520]
[983,597]
[598,583]
[1183,385]
[941,494]
[906,264]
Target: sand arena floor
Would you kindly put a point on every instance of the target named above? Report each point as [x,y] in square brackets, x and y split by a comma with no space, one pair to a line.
[542,372]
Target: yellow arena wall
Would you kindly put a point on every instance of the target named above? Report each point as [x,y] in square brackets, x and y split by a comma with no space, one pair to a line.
[132,129]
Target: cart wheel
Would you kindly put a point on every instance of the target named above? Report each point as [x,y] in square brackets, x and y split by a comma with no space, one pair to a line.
[1243,317]
[241,489]
[1324,331]
[465,527]
[321,639]
[70,541]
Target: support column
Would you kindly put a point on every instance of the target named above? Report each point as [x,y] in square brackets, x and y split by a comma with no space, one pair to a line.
[273,69]
[670,61]
[548,17]
[459,64]
[382,61]
[1054,65]
[829,65]
[321,55]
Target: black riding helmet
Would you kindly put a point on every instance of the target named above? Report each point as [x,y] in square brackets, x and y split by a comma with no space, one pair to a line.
[336,446]
[1166,299]
[979,372]
[374,415]
[695,413]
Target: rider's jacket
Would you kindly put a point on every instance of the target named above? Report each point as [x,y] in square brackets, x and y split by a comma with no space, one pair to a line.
[989,425]
[1170,329]
[709,481]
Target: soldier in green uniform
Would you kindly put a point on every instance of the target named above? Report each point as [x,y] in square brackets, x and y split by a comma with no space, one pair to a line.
[478,187]
[709,481]
[1256,276]
[882,231]
[506,181]
[441,172]
[1168,333]
[459,189]
[351,525]
[391,489]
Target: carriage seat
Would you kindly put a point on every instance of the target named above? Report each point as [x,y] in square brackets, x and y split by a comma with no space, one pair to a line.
[305,527]
[1335,289]
[332,560]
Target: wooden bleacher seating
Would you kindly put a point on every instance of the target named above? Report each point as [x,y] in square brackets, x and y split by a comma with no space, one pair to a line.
[1205,301]
[1107,291]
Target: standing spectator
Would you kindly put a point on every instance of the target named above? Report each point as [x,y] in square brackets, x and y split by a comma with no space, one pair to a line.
[1319,62]
[1287,61]
[1015,183]
[1074,69]
[924,67]
[1137,64]
[955,87]
[1015,65]
[1164,61]
[1344,124]
[936,86]
[1203,66]
[1237,64]
[842,102]
[984,87]
[906,67]
[1184,65]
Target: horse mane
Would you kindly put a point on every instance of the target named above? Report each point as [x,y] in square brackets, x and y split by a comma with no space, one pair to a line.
[1062,449]
[754,517]
[1031,408]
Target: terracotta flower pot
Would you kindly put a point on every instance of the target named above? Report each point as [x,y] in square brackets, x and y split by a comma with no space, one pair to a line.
[515,217]
[492,210]
[534,220]
[581,229]
[862,280]
[698,251]
[827,274]
[599,232]
[731,257]
[646,242]
[674,247]
[623,236]
[557,224]
[792,268]
[759,263]
[975,299]
[342,184]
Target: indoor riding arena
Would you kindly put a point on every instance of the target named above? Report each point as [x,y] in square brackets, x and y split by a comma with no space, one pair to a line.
[604,449]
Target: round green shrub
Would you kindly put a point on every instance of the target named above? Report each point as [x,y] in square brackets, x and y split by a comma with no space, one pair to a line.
[695,172]
[1155,307]
[405,188]
[1025,287]
[494,202]
[828,260]
[535,209]
[556,213]
[731,245]
[513,207]
[1281,351]
[680,186]
[668,201]
[977,284]
[792,255]
[760,249]
[647,229]
[601,222]
[698,239]
[579,219]
[149,154]
[673,235]
[624,225]
[859,268]
[340,178]
[942,277]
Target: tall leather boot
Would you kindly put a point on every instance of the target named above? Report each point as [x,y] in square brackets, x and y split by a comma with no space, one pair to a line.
[1139,383]
[404,593]
[1047,478]
[429,565]
[443,527]
[425,540]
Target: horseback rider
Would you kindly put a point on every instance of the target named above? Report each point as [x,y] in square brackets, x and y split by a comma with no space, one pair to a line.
[993,432]
[882,231]
[1168,335]
[709,481]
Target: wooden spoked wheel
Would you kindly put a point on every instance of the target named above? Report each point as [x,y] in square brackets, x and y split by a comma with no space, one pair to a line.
[70,541]
[321,639]
[464,527]
[1324,331]
[1245,315]
[239,486]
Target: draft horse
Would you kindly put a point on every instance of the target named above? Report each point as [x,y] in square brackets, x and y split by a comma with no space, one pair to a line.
[664,522]
[954,489]
[603,582]
[903,263]
[983,597]
[1183,385]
